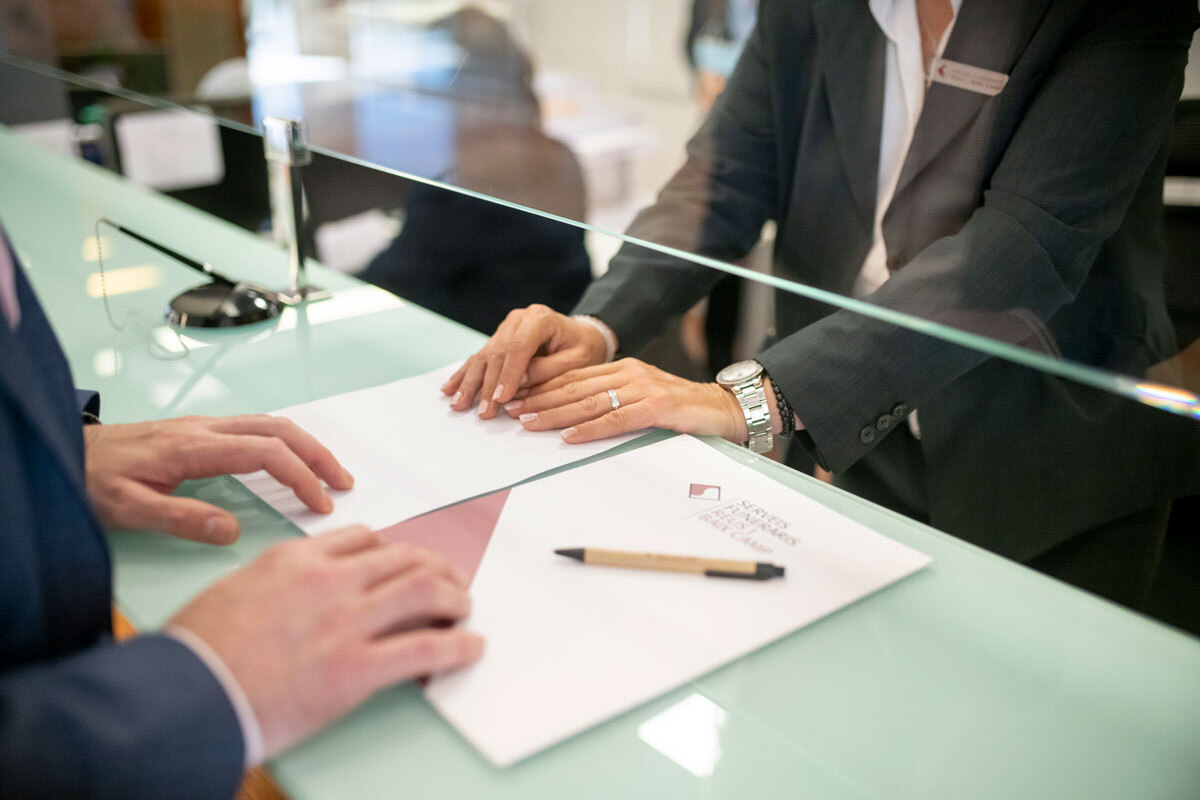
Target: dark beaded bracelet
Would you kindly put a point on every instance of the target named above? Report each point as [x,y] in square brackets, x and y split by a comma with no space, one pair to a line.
[786,414]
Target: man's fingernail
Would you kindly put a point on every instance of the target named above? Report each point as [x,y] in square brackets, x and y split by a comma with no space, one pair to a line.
[218,529]
[482,406]
[457,396]
[514,405]
[347,477]
[528,417]
[524,380]
[499,391]
[567,433]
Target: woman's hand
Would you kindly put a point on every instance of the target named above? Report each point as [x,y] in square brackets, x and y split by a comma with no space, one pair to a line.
[579,402]
[531,346]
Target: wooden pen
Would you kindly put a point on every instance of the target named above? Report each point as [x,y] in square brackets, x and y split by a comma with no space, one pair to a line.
[711,567]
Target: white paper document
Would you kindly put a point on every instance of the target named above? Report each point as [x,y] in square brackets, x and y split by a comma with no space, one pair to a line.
[410,453]
[571,645]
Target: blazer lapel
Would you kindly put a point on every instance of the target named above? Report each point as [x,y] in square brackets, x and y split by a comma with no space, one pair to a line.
[851,50]
[23,380]
[990,34]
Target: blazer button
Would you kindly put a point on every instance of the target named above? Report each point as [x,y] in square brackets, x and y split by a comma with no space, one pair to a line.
[866,435]
[883,423]
[898,411]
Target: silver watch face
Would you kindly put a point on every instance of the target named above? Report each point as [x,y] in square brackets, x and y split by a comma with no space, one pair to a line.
[739,372]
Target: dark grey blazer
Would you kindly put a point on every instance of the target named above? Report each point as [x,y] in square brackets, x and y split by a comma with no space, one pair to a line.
[1032,216]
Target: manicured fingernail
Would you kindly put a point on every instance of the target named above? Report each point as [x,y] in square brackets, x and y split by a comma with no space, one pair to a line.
[457,396]
[524,381]
[218,529]
[527,418]
[499,391]
[567,433]
[326,504]
[482,406]
[514,405]
[347,477]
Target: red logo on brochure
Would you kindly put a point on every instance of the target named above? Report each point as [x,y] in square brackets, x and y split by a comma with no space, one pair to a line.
[703,491]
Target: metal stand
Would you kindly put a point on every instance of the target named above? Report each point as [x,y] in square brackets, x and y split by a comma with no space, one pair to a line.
[287,152]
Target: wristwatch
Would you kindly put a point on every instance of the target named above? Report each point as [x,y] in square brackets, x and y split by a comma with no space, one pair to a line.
[745,380]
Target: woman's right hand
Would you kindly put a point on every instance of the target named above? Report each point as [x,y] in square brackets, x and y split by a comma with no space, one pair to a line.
[531,346]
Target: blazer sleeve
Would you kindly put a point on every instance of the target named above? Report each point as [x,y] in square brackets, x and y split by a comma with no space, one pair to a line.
[88,402]
[716,204]
[1061,190]
[140,718]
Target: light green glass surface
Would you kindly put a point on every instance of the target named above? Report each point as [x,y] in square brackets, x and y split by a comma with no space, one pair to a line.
[974,678]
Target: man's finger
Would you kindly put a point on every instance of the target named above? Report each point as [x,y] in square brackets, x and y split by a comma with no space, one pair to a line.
[625,419]
[184,517]
[394,558]
[228,454]
[347,541]
[316,455]
[412,598]
[411,655]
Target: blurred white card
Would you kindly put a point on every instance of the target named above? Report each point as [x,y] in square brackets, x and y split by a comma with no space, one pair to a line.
[570,645]
[410,453]
[170,149]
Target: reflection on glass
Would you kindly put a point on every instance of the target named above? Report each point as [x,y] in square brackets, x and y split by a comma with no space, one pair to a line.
[471,260]
[352,303]
[96,247]
[122,280]
[106,362]
[1167,398]
[688,733]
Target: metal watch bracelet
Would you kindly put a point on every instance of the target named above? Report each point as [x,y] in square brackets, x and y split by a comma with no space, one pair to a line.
[753,399]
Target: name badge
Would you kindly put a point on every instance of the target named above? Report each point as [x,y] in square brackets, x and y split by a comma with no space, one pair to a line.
[964,76]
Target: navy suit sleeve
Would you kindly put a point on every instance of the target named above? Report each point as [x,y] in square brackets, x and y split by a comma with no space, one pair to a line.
[88,402]
[141,718]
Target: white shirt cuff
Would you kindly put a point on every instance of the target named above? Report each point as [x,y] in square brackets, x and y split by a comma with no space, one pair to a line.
[251,733]
[610,338]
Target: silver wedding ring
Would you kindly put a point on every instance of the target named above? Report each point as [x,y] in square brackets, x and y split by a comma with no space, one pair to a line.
[612,398]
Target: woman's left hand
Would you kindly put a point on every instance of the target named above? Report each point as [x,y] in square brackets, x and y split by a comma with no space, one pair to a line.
[579,402]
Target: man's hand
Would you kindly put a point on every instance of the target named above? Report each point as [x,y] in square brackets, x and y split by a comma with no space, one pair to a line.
[578,401]
[531,346]
[315,626]
[132,470]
